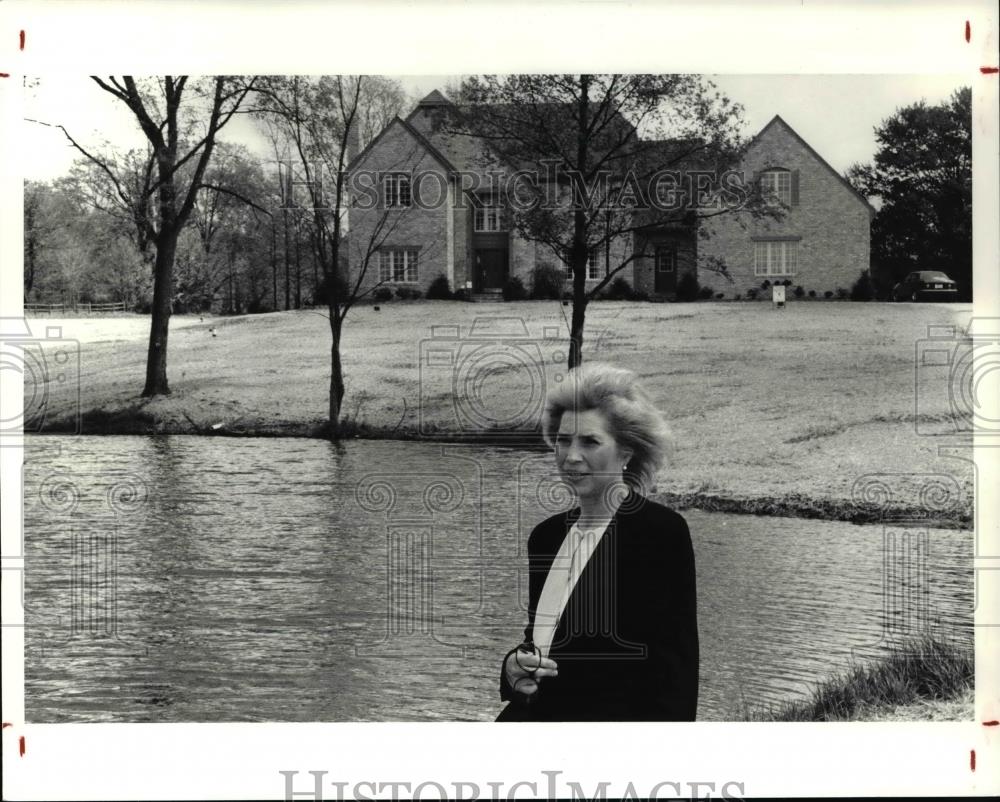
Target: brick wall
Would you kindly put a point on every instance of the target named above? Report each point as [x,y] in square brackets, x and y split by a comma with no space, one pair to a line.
[681,241]
[469,154]
[424,229]
[831,221]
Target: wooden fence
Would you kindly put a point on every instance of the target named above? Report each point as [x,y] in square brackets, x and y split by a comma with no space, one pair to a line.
[58,309]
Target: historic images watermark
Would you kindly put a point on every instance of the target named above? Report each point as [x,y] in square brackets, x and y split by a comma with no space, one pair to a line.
[956,387]
[666,190]
[44,359]
[551,785]
[956,374]
[489,380]
[92,572]
[471,367]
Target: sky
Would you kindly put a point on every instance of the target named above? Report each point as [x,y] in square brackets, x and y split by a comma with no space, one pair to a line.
[836,114]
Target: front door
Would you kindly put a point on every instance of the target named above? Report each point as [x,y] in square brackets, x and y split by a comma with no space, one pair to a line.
[665,267]
[491,269]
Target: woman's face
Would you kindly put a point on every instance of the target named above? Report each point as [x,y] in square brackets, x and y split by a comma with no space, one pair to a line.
[587,455]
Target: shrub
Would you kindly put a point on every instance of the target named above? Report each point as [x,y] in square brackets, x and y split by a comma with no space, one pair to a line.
[382,294]
[766,284]
[828,294]
[620,290]
[752,294]
[863,289]
[687,287]
[812,293]
[640,295]
[407,293]
[799,292]
[737,297]
[842,294]
[705,293]
[461,295]
[439,289]
[719,296]
[547,283]
[513,290]
[787,282]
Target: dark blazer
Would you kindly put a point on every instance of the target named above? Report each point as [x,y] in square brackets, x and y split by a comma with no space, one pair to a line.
[627,642]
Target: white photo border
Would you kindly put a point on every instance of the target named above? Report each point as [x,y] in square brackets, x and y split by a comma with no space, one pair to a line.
[239,761]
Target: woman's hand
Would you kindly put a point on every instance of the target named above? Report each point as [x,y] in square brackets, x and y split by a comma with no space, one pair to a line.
[525,668]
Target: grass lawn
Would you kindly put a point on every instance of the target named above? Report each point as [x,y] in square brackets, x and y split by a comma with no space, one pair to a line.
[772,410]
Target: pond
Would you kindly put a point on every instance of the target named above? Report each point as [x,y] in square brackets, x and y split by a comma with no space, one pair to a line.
[219,579]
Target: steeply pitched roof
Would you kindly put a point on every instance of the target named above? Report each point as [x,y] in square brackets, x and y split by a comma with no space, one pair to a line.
[427,146]
[435,98]
[778,120]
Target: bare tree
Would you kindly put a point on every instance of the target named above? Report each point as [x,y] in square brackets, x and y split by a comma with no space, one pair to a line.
[598,142]
[317,118]
[180,120]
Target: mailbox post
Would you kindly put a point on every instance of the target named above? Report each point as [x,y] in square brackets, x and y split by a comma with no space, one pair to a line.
[778,296]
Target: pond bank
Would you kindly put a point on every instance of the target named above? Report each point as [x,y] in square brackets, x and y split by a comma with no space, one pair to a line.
[920,680]
[793,420]
[135,420]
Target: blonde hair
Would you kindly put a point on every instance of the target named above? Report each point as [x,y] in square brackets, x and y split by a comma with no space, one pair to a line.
[633,419]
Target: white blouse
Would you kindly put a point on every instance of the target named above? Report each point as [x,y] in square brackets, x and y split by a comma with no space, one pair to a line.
[573,555]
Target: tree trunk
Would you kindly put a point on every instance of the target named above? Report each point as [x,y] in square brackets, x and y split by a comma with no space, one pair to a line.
[274,266]
[288,289]
[336,376]
[579,313]
[578,252]
[298,271]
[163,293]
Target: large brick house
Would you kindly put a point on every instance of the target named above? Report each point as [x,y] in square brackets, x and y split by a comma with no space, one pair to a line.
[414,216]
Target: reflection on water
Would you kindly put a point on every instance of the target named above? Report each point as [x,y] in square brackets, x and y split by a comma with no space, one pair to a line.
[212,579]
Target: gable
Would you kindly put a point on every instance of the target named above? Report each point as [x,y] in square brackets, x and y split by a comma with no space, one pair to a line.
[778,135]
[390,142]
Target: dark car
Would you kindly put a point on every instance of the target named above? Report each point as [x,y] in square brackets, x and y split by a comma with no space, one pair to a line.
[926,285]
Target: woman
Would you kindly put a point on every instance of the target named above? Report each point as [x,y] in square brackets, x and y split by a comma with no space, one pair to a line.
[612,629]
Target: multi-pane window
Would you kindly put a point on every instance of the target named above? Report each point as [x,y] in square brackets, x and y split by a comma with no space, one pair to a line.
[666,259]
[777,184]
[397,265]
[775,257]
[593,267]
[488,215]
[397,191]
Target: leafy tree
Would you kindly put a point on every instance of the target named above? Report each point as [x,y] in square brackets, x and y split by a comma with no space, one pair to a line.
[600,140]
[232,221]
[922,173]
[45,222]
[180,120]
[73,252]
